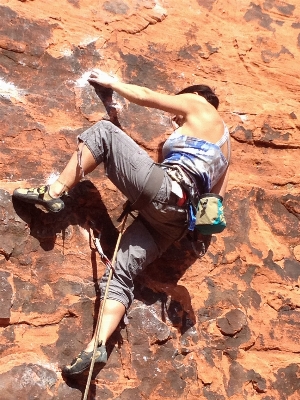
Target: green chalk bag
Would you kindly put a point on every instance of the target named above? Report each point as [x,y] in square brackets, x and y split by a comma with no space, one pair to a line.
[210,217]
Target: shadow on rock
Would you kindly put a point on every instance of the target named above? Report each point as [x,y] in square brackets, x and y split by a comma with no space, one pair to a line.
[158,285]
[83,204]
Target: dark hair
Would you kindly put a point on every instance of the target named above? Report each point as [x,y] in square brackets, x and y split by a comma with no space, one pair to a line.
[204,91]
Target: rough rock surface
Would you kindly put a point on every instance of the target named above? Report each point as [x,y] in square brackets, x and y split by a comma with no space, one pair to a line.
[222,327]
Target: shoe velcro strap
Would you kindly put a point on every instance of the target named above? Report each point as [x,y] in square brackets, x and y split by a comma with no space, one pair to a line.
[42,189]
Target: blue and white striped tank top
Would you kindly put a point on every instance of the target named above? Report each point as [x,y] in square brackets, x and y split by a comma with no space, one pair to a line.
[203,159]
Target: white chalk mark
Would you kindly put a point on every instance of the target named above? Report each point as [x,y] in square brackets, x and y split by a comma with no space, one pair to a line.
[9,90]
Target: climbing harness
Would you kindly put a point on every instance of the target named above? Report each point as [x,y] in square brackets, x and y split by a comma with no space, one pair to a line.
[206,213]
[109,264]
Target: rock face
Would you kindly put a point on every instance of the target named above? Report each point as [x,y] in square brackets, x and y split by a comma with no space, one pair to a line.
[222,327]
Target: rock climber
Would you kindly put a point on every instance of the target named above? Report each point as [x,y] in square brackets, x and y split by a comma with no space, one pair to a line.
[198,149]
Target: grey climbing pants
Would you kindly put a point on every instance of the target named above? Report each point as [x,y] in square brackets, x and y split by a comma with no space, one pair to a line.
[159,224]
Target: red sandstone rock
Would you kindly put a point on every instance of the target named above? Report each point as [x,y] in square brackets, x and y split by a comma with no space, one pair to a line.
[223,327]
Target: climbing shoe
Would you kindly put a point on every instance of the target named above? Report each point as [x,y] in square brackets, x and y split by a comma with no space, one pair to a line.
[83,361]
[41,196]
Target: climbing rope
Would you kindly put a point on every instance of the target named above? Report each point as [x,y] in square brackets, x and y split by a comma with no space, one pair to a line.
[109,264]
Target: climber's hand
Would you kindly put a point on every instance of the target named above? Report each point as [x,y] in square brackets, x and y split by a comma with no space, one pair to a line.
[102,78]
